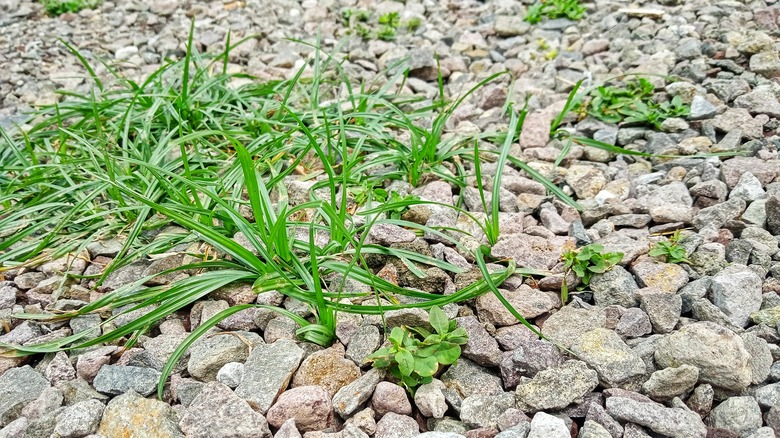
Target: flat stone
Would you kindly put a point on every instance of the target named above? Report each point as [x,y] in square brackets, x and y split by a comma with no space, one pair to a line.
[393,425]
[79,420]
[310,406]
[468,378]
[667,277]
[567,325]
[527,301]
[267,372]
[483,411]
[18,387]
[352,396]
[114,379]
[616,364]
[738,414]
[328,369]
[556,388]
[665,384]
[736,291]
[217,412]
[131,415]
[671,422]
[717,352]
[717,215]
[210,353]
[547,426]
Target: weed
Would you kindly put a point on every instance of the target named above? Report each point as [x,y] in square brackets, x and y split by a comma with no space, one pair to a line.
[59,7]
[415,354]
[671,250]
[386,33]
[391,19]
[588,260]
[633,103]
[571,9]
[412,24]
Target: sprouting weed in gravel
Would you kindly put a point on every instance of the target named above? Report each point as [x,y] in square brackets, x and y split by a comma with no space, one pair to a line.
[359,22]
[551,9]
[412,24]
[416,354]
[633,103]
[670,250]
[586,261]
[59,7]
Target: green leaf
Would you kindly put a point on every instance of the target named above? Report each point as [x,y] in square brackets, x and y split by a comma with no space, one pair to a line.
[396,336]
[448,353]
[426,366]
[405,362]
[438,320]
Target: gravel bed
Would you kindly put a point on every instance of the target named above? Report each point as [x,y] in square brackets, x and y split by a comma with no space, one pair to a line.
[652,349]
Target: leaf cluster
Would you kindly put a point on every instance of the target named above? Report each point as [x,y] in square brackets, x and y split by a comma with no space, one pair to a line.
[387,24]
[671,250]
[551,9]
[415,354]
[633,103]
[59,7]
[590,259]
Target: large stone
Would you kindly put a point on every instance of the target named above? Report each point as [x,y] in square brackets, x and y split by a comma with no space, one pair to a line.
[616,286]
[18,387]
[210,353]
[485,410]
[268,371]
[719,214]
[468,378]
[567,325]
[114,379]
[667,277]
[310,406]
[616,364]
[736,291]
[351,397]
[79,420]
[556,388]
[739,414]
[547,426]
[393,425]
[671,422]
[717,352]
[528,302]
[216,412]
[664,385]
[481,347]
[328,369]
[131,415]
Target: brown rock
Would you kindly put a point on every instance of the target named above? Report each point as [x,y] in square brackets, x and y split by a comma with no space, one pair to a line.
[327,369]
[310,406]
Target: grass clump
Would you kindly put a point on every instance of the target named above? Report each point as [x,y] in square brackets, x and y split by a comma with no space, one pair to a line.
[670,250]
[416,354]
[586,261]
[59,7]
[360,22]
[551,9]
[633,103]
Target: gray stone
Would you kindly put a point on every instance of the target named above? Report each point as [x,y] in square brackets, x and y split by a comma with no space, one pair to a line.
[634,323]
[389,397]
[766,64]
[430,400]
[15,429]
[468,378]
[483,411]
[769,395]
[527,359]
[546,426]
[672,422]
[737,292]
[598,414]
[591,429]
[79,420]
[210,353]
[231,374]
[664,385]
[393,425]
[217,412]
[759,101]
[756,213]
[527,301]
[568,324]
[509,25]
[701,399]
[131,415]
[667,277]
[388,234]
[267,372]
[556,388]
[663,310]
[616,364]
[717,352]
[365,341]
[18,387]
[740,119]
[772,211]
[114,379]
[719,214]
[616,286]
[351,397]
[763,432]
[739,414]
[481,347]
[760,357]
[748,188]
[701,108]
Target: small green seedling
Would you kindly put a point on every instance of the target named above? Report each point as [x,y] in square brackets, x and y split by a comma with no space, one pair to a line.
[671,250]
[588,260]
[412,24]
[59,7]
[571,9]
[415,355]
